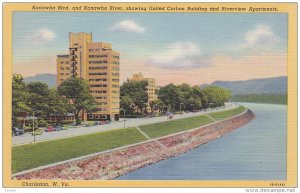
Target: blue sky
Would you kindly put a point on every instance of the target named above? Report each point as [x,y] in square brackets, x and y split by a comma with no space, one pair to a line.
[172,47]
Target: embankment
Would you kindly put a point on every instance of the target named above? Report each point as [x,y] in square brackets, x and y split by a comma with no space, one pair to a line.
[112,164]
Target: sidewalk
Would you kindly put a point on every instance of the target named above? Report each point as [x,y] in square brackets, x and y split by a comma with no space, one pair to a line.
[133,122]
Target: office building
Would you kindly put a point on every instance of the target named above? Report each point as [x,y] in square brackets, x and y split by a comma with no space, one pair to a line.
[97,63]
[151,88]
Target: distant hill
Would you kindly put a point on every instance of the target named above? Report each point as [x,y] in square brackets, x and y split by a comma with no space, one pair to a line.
[254,86]
[49,79]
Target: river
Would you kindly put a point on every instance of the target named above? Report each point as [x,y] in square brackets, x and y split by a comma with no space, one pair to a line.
[256,151]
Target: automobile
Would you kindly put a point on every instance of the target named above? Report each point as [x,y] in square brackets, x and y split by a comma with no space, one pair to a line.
[65,127]
[38,132]
[95,123]
[17,131]
[107,122]
[58,128]
[49,129]
[102,122]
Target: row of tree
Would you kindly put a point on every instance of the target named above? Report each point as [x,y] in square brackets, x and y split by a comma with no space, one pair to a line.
[187,98]
[37,99]
[172,98]
[73,96]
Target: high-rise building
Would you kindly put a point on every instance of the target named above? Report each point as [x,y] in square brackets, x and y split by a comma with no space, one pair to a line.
[97,63]
[151,88]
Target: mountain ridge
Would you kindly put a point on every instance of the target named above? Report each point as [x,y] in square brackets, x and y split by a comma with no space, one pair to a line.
[254,86]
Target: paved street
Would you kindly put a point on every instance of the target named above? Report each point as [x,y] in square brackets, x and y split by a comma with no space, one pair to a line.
[77,131]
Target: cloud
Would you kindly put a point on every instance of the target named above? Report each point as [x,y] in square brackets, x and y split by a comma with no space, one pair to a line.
[261,35]
[179,55]
[127,26]
[42,35]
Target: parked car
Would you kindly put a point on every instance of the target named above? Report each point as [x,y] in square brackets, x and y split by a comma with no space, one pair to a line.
[38,132]
[65,127]
[102,122]
[17,131]
[58,128]
[49,129]
[95,123]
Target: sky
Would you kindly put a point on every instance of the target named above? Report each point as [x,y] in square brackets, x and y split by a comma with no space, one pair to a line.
[193,48]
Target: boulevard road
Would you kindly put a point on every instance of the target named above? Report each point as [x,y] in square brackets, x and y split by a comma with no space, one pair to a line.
[132,122]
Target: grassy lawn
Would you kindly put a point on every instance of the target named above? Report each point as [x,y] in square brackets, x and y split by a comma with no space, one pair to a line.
[33,155]
[169,127]
[226,114]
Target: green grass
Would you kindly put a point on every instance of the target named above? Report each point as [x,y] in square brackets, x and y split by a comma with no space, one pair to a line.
[175,126]
[38,154]
[226,114]
[261,98]
[33,155]
[169,127]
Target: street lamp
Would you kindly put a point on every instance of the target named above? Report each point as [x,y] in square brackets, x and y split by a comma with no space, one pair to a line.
[210,106]
[193,108]
[180,106]
[123,115]
[33,124]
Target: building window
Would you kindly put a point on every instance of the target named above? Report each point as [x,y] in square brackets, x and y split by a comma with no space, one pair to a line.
[103,117]
[91,116]
[98,91]
[98,73]
[91,50]
[102,103]
[98,79]
[98,56]
[61,74]
[62,68]
[115,74]
[97,117]
[98,62]
[98,68]
[67,68]
[98,85]
[102,97]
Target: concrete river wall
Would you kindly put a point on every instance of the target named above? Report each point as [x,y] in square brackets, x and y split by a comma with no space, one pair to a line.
[112,164]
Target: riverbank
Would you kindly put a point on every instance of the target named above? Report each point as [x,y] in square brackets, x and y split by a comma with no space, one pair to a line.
[274,98]
[112,164]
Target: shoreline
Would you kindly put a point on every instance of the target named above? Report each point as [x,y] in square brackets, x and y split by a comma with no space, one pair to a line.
[115,163]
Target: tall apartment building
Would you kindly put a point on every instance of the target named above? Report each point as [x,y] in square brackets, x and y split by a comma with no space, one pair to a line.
[151,88]
[97,63]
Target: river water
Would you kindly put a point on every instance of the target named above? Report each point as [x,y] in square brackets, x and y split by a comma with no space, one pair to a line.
[256,151]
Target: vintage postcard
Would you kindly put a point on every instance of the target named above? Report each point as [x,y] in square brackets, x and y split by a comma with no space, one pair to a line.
[150,95]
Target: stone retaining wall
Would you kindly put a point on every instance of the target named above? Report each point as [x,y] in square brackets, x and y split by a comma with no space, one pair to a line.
[112,164]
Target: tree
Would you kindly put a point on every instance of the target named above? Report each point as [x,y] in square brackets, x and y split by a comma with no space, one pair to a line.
[127,104]
[58,105]
[77,91]
[214,96]
[134,95]
[157,104]
[39,94]
[170,96]
[20,98]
